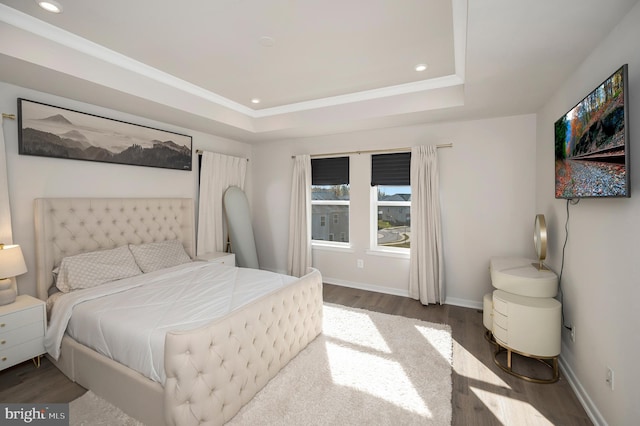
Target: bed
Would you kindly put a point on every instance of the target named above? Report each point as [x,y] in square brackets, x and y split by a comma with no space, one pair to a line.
[208,372]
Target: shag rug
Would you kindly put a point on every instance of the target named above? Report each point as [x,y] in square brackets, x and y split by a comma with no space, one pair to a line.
[91,410]
[366,368]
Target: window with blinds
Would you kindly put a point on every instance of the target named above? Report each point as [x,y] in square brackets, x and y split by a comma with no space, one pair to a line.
[330,200]
[391,201]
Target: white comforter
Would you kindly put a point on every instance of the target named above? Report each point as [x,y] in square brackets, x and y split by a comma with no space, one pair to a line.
[127,319]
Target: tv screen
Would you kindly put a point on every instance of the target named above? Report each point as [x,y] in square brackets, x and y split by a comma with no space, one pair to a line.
[592,143]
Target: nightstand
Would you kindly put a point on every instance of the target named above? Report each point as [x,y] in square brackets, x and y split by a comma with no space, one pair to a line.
[22,327]
[522,315]
[228,259]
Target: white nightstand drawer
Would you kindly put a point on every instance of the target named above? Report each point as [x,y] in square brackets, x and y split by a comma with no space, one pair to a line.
[23,325]
[500,305]
[501,335]
[21,335]
[18,319]
[23,352]
[500,320]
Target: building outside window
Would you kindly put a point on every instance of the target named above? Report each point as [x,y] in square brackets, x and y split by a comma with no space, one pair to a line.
[393,206]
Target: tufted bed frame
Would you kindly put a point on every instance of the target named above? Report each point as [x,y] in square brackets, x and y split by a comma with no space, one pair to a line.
[211,371]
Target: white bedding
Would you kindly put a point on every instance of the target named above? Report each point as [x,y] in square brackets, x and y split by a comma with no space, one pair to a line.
[127,319]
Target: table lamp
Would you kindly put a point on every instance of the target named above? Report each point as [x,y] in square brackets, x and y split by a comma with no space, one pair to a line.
[11,265]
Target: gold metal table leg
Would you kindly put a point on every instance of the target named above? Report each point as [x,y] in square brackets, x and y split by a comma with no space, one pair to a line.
[509,367]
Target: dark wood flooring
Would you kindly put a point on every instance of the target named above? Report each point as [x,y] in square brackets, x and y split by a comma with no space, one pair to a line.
[483,394]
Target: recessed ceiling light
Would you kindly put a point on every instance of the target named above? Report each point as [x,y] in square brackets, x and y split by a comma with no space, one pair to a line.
[267,41]
[50,6]
[255,101]
[421,67]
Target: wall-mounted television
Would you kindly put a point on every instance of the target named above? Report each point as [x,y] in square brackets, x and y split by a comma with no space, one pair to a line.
[592,143]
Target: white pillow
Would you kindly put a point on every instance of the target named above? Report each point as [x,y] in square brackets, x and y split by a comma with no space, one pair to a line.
[165,254]
[94,268]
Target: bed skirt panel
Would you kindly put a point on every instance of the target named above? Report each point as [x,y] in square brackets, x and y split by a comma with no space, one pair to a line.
[127,389]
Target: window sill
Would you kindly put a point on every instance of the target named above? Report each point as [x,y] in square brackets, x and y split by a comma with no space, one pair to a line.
[388,253]
[344,248]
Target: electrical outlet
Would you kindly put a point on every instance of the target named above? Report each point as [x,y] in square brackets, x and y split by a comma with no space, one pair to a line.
[609,378]
[360,263]
[573,333]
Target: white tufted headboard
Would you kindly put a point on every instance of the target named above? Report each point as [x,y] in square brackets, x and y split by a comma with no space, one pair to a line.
[68,226]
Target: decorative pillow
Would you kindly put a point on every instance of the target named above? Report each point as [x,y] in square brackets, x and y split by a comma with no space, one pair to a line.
[165,254]
[87,270]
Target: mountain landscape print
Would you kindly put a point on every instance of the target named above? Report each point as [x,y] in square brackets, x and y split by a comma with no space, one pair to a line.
[51,131]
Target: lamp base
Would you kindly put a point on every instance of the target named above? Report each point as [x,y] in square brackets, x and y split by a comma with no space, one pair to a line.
[7,292]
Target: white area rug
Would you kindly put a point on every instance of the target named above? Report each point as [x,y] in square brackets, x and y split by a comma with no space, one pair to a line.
[91,410]
[367,368]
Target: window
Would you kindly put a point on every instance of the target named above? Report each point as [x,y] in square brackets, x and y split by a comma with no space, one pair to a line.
[330,198]
[393,219]
[391,201]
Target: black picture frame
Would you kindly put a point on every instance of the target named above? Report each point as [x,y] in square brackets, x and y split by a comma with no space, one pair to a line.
[51,131]
[591,143]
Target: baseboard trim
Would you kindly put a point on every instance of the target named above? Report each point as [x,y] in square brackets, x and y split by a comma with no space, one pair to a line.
[464,303]
[581,393]
[367,287]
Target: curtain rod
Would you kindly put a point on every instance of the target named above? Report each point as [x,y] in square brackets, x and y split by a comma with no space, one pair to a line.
[9,116]
[199,152]
[371,151]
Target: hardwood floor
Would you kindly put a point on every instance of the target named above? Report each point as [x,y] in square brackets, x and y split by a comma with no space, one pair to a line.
[482,393]
[24,383]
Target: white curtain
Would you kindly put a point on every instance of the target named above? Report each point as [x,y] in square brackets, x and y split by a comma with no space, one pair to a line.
[299,256]
[6,234]
[426,280]
[217,173]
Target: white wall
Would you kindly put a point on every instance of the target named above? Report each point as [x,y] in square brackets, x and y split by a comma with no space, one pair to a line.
[33,177]
[487,194]
[601,278]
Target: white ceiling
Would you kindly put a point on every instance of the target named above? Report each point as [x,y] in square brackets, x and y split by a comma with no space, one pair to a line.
[317,66]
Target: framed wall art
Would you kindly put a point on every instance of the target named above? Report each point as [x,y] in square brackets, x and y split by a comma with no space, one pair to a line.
[51,131]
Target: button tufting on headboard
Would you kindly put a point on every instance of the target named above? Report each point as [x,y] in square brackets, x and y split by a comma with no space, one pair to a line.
[68,226]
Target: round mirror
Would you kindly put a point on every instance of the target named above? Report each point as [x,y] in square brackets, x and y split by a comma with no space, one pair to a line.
[540,237]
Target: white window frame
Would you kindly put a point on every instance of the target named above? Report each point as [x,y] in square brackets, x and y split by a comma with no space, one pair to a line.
[374,205]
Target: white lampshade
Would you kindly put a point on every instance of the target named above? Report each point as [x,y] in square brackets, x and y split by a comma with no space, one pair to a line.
[11,261]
